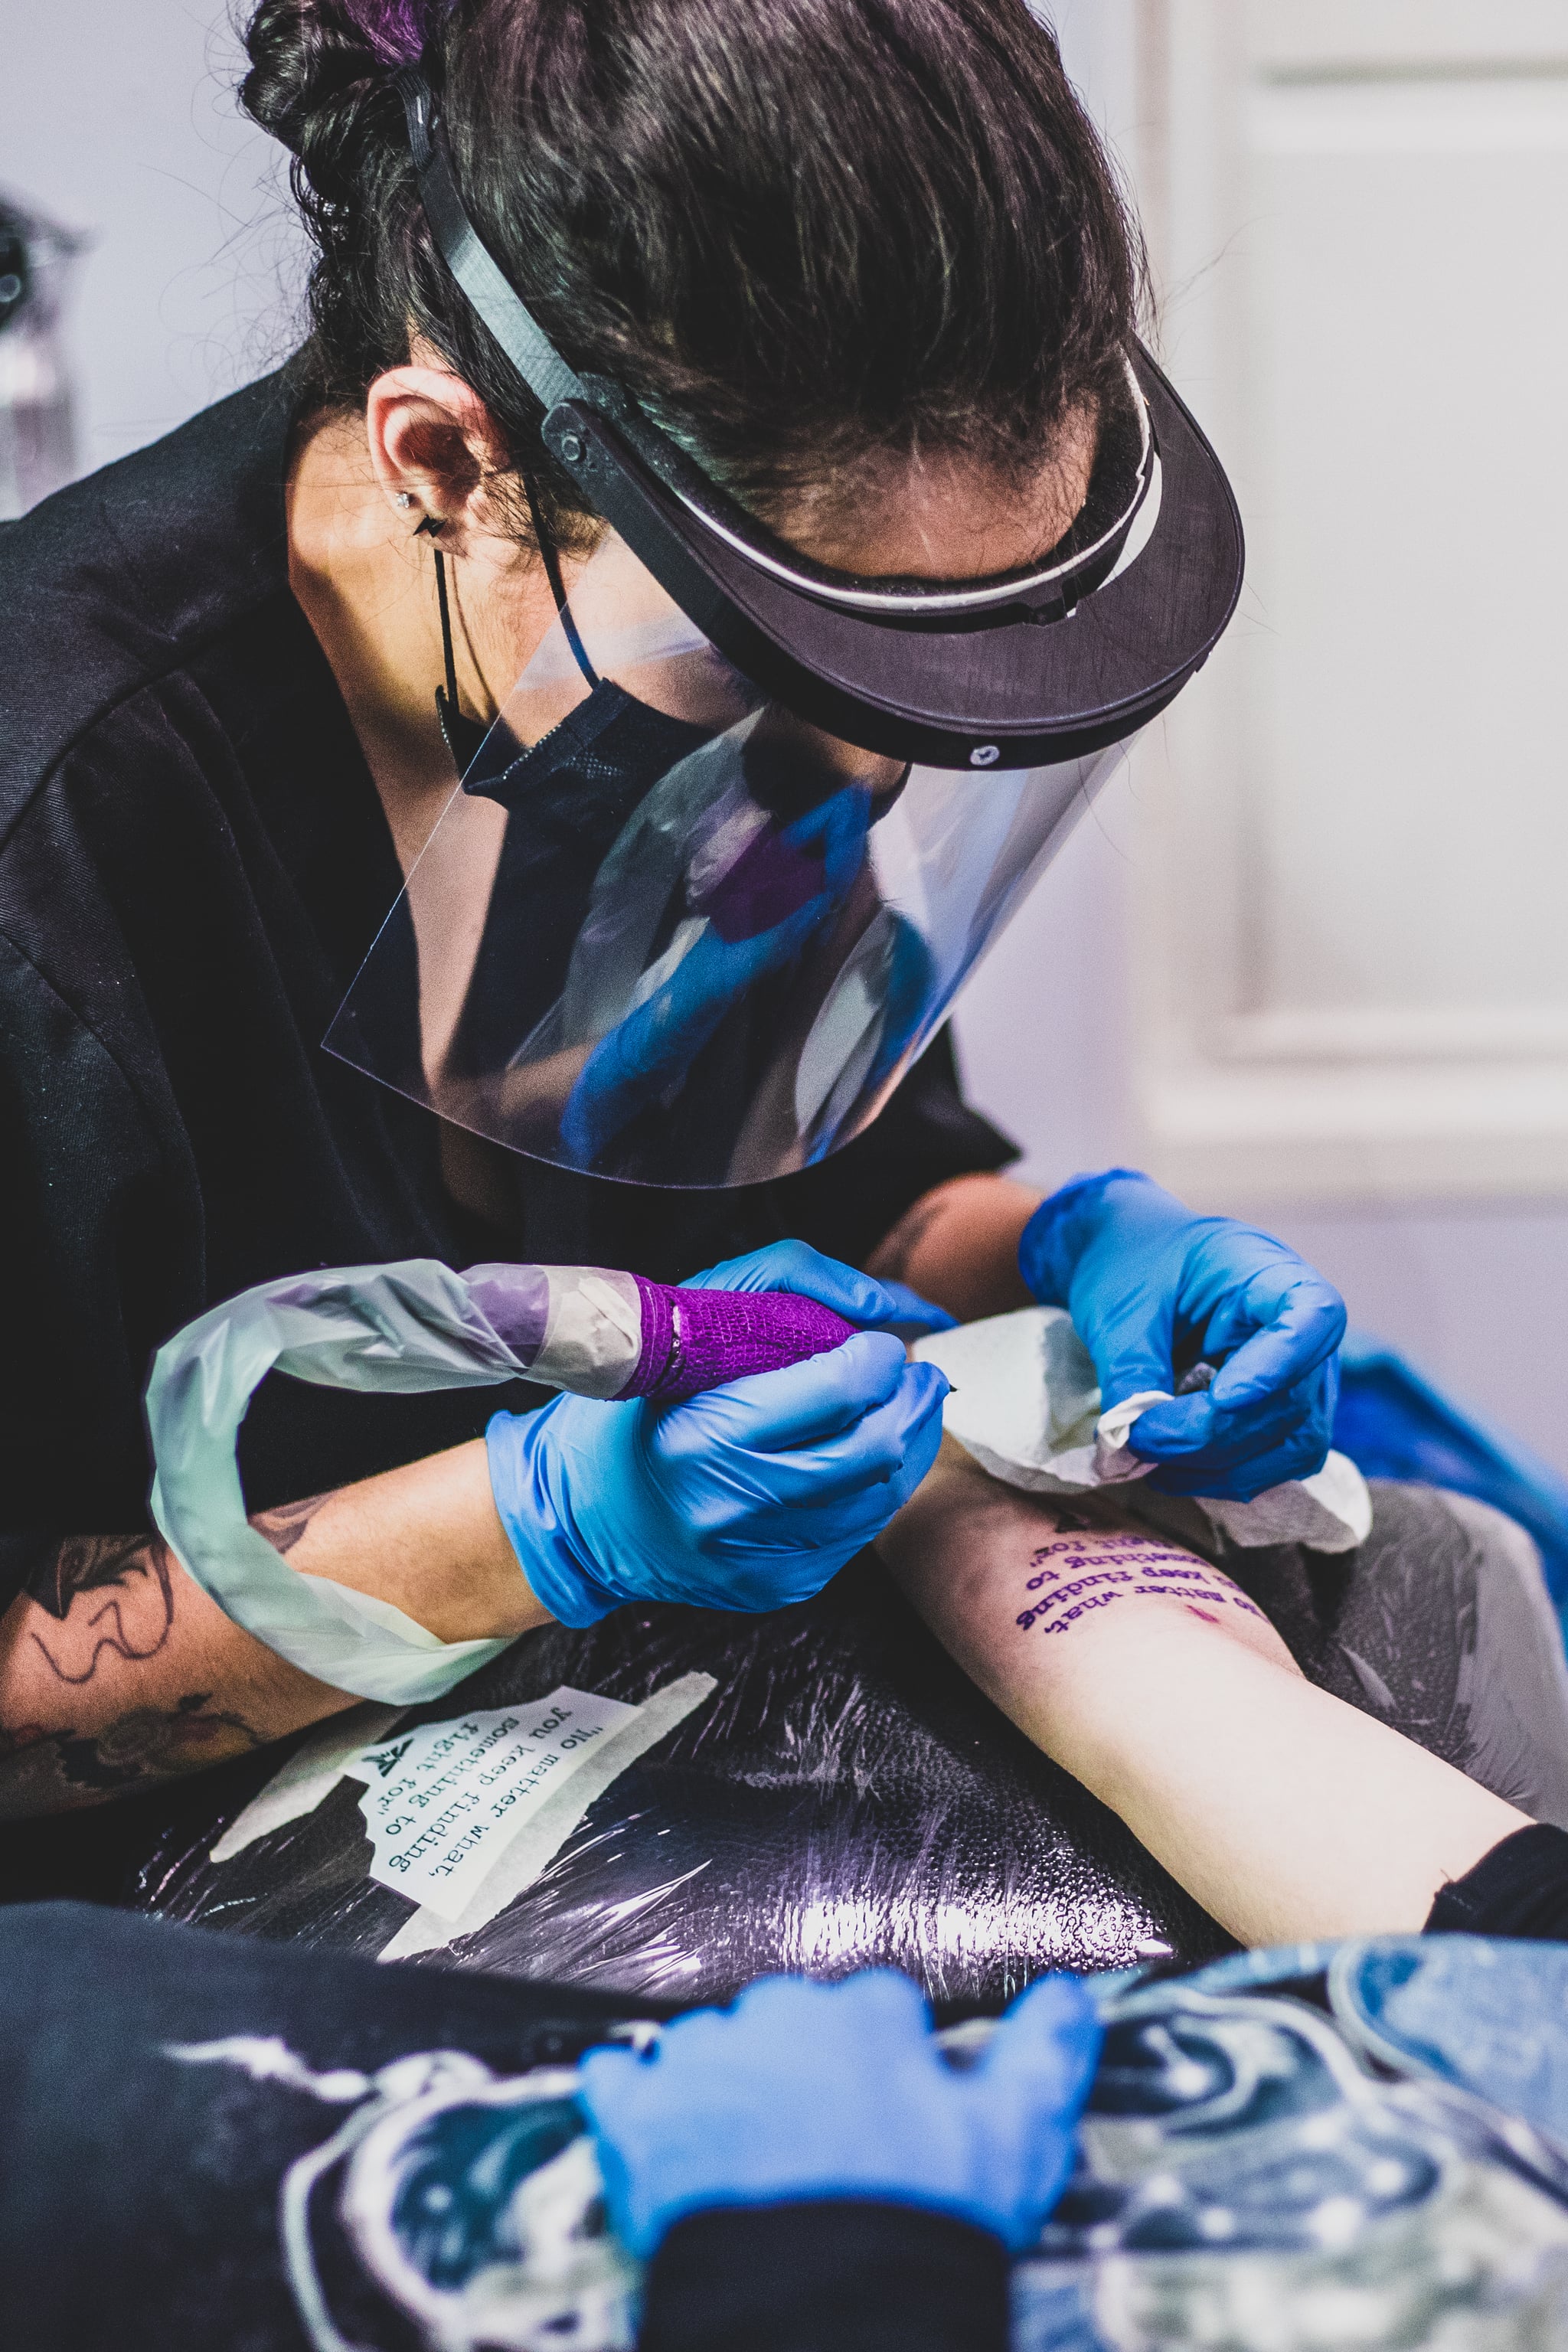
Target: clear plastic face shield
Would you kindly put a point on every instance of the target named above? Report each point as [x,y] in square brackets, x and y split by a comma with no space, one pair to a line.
[670,932]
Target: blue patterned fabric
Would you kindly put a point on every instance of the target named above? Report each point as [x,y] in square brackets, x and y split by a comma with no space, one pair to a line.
[1255,2170]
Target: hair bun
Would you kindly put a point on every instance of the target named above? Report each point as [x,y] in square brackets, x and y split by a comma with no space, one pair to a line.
[319,81]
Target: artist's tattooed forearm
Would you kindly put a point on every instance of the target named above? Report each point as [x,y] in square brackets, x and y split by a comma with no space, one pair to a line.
[1071,1579]
[284,1527]
[136,1577]
[47,1771]
[74,1729]
[132,1621]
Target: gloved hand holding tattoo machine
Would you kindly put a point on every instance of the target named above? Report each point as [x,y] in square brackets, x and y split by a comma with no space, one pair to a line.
[730,1443]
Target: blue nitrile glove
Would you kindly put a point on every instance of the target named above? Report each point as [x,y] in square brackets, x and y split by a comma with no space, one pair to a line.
[749,1497]
[1146,1283]
[805,2091]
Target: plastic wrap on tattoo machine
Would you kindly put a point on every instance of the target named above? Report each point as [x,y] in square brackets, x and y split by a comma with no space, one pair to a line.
[400,1330]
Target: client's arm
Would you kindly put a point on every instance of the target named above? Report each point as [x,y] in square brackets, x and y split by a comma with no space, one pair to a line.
[117,1670]
[1156,1682]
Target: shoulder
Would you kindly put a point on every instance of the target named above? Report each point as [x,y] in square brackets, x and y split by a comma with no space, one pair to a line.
[126,576]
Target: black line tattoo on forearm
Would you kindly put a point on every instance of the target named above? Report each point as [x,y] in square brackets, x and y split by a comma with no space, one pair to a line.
[284,1525]
[85,1564]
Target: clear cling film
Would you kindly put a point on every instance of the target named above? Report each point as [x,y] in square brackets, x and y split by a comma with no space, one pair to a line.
[841,1796]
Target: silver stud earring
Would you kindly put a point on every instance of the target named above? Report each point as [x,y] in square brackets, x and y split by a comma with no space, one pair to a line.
[404,498]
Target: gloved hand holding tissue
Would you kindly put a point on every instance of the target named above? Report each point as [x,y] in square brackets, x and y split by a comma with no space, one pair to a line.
[1151,1288]
[729,1445]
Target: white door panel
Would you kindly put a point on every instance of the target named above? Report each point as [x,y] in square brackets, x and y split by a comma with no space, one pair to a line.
[1353,966]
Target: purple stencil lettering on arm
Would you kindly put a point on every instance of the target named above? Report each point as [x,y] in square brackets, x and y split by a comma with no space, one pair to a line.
[1081,1577]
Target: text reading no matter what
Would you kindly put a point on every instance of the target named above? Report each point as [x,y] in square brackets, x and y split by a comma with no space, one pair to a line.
[441,1803]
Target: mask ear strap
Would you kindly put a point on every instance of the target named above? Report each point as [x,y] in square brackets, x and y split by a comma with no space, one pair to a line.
[446,710]
[546,546]
[447,700]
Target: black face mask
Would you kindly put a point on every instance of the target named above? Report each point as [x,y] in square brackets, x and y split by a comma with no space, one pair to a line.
[464,737]
[568,799]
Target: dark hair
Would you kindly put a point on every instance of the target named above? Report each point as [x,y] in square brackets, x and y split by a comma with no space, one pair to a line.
[799,231]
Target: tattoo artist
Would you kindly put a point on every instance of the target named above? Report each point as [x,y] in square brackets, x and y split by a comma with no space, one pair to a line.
[706,428]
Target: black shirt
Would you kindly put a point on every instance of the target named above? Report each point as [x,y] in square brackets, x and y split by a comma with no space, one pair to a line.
[194,860]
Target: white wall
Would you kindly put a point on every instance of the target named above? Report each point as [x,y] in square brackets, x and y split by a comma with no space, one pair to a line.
[1044,1030]
[117,116]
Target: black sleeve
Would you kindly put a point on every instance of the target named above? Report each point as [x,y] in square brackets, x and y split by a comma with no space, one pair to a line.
[91,1249]
[829,2277]
[1520,1888]
[926,1135]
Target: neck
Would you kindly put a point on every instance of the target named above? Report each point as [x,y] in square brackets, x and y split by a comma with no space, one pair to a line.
[367,586]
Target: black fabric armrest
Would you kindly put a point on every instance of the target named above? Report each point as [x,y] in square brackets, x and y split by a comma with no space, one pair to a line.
[1520,1888]
[825,2277]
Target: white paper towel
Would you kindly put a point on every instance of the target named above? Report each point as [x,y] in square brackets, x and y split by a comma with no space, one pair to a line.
[1026,1404]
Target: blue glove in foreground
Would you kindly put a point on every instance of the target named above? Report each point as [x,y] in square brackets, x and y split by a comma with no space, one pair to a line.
[749,1497]
[805,2091]
[1145,1281]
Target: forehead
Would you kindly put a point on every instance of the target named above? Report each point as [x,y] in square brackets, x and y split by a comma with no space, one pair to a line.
[944,515]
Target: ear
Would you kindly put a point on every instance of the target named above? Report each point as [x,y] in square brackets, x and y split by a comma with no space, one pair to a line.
[432,441]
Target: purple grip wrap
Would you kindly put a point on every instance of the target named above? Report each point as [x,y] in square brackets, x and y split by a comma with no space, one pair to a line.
[697,1340]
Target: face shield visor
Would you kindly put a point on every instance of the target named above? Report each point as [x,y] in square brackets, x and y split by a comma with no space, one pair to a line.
[666,929]
[744,827]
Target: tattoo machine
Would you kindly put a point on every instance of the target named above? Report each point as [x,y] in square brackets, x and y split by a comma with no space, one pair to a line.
[403,1329]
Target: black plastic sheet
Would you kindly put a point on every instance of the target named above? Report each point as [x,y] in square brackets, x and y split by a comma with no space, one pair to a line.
[1439,1625]
[845,1798]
